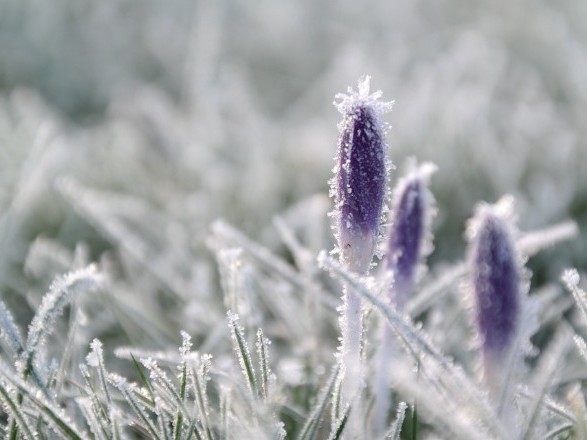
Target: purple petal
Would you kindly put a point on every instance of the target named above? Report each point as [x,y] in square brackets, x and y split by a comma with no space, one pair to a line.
[412,210]
[407,233]
[361,175]
[496,282]
[361,172]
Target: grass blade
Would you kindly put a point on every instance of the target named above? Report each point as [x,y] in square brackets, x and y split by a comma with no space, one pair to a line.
[396,427]
[243,354]
[50,411]
[264,370]
[312,425]
[14,412]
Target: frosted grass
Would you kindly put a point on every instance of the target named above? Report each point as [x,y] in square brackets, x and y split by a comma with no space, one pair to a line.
[145,186]
[246,393]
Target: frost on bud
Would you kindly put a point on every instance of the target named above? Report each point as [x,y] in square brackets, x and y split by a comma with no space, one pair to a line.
[359,184]
[409,240]
[496,278]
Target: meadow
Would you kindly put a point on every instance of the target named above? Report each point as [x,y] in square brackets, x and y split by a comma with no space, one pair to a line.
[187,250]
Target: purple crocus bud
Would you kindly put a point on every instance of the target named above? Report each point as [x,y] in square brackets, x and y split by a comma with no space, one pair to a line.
[359,187]
[409,239]
[359,184]
[496,278]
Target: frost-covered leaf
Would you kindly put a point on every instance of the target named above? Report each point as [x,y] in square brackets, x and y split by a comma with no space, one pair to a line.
[15,410]
[243,354]
[50,411]
[59,295]
[313,422]
[571,279]
[396,427]
[9,331]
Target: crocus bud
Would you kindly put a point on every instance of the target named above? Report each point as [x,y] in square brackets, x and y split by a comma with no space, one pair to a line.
[412,210]
[359,188]
[408,242]
[496,278]
[359,184]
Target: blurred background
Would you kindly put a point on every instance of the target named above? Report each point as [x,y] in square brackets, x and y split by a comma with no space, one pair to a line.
[130,126]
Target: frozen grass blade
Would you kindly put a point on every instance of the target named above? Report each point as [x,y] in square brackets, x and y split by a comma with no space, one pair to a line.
[581,346]
[68,350]
[336,406]
[167,397]
[59,296]
[396,427]
[559,431]
[54,301]
[576,398]
[243,354]
[228,233]
[551,405]
[51,412]
[225,411]
[14,410]
[125,389]
[339,424]
[533,242]
[199,371]
[166,389]
[96,425]
[303,257]
[143,379]
[571,280]
[280,432]
[177,426]
[264,370]
[95,409]
[116,216]
[312,425]
[545,371]
[9,331]
[434,291]
[184,351]
[437,407]
[231,277]
[96,359]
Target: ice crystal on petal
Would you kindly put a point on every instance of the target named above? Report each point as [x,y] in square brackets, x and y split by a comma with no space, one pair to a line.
[361,171]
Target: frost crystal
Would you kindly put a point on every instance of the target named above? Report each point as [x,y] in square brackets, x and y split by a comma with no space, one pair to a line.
[186,345]
[571,277]
[359,186]
[94,358]
[495,271]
